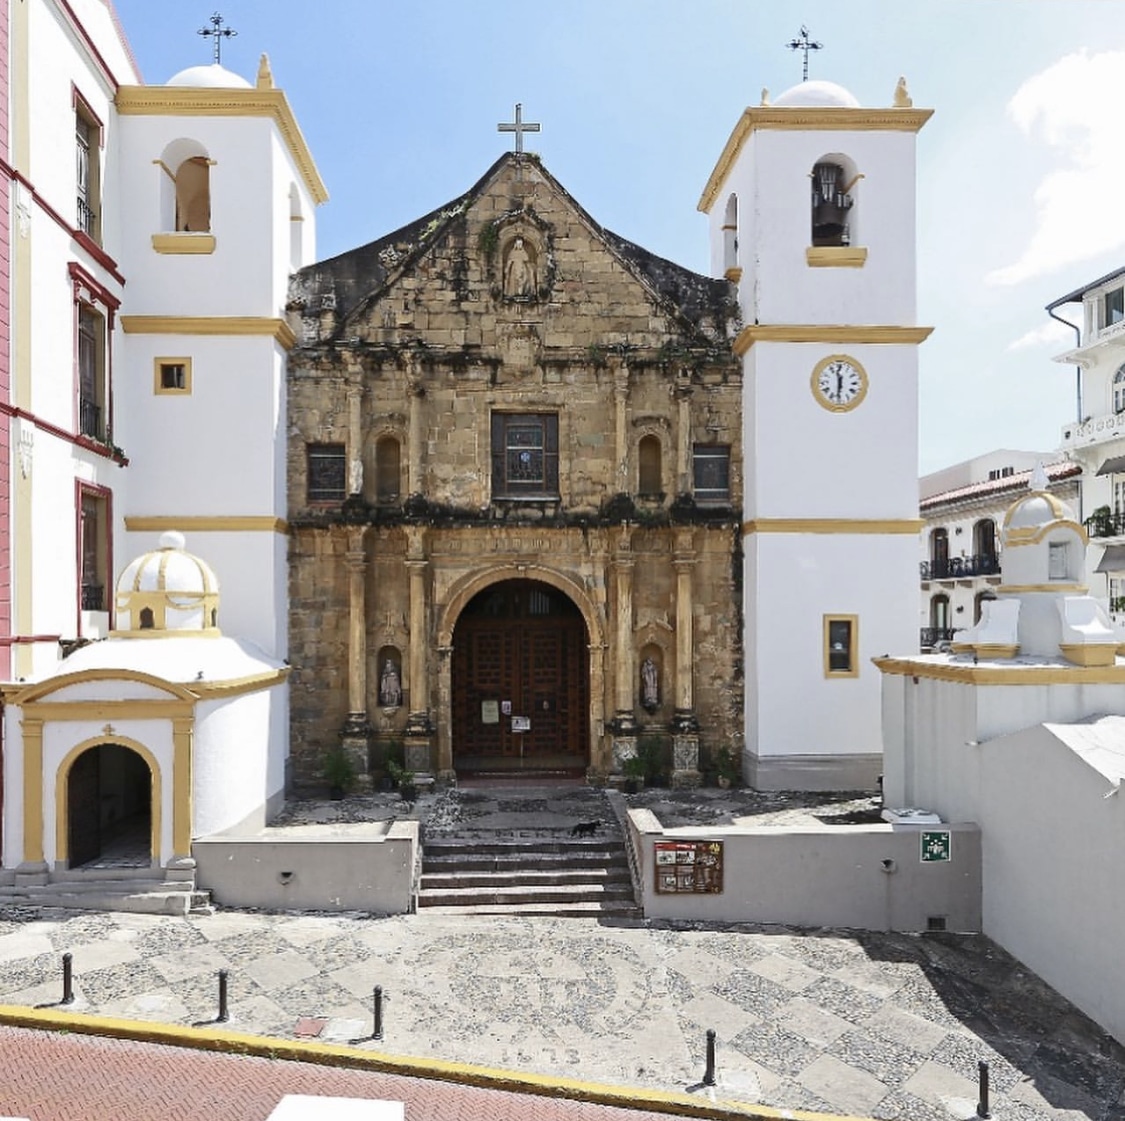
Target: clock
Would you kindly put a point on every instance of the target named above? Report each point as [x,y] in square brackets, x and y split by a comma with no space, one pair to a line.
[839,383]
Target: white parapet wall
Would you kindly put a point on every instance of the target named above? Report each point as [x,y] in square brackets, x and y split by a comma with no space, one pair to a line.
[861,877]
[367,867]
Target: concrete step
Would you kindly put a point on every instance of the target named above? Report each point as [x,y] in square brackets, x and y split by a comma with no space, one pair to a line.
[618,908]
[526,877]
[497,894]
[526,845]
[174,902]
[503,863]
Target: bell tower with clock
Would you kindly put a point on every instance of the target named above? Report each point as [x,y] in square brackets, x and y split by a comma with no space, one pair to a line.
[812,216]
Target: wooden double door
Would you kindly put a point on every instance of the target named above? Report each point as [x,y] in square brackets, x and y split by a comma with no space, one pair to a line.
[520,680]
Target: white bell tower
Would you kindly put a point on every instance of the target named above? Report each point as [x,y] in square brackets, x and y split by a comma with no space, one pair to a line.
[812,215]
[221,193]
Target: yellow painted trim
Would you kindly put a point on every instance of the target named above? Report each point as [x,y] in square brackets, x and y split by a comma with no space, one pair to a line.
[805,117]
[111,711]
[818,393]
[1024,589]
[853,646]
[183,243]
[158,382]
[183,729]
[62,793]
[733,274]
[1056,504]
[184,101]
[32,790]
[873,333]
[1032,535]
[670,1102]
[26,695]
[996,649]
[217,690]
[969,674]
[836,256]
[233,523]
[832,525]
[1089,653]
[225,325]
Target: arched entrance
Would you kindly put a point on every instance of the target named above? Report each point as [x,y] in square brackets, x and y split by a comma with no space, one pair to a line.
[109,808]
[520,681]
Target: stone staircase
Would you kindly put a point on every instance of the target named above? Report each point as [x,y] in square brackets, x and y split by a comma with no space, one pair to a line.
[539,875]
[143,891]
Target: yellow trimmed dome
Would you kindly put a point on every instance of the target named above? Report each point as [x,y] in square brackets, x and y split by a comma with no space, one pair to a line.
[167,590]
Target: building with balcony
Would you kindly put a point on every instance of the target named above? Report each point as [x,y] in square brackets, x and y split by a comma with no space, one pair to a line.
[963,510]
[1096,438]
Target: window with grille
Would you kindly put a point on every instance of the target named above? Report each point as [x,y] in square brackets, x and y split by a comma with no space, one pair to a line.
[93,532]
[711,472]
[87,143]
[525,455]
[91,373]
[327,473]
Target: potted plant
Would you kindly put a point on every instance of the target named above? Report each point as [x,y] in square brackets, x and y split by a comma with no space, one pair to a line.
[1101,522]
[634,770]
[339,770]
[726,767]
[404,780]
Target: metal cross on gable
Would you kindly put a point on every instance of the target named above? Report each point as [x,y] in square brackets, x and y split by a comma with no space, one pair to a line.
[804,43]
[519,127]
[217,32]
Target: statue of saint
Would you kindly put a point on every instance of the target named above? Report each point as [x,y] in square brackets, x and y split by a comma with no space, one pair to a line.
[390,685]
[650,684]
[519,271]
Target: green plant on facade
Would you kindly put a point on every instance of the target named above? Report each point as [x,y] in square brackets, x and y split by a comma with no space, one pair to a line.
[338,769]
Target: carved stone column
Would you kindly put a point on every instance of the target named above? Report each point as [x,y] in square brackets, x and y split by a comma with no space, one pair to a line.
[624,722]
[414,433]
[621,449]
[355,440]
[683,432]
[418,741]
[356,733]
[685,726]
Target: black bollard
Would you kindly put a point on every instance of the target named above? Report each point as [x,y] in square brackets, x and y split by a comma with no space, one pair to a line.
[378,1030]
[709,1073]
[67,980]
[224,1013]
[982,1105]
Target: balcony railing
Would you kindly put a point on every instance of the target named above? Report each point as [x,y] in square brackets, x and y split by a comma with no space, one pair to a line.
[931,636]
[956,568]
[90,418]
[1106,524]
[87,217]
[93,597]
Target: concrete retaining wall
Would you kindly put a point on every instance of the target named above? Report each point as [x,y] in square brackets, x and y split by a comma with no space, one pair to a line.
[324,870]
[864,877]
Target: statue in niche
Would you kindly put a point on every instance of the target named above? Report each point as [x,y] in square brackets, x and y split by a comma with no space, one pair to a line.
[519,272]
[390,685]
[650,685]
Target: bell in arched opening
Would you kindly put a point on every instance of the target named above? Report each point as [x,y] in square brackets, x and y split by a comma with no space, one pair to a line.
[830,205]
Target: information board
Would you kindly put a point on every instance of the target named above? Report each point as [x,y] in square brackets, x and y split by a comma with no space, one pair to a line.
[689,867]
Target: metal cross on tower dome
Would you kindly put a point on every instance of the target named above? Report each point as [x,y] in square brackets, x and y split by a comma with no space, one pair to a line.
[518,127]
[218,32]
[804,43]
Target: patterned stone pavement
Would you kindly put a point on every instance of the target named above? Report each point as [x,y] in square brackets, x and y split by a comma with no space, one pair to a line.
[890,1026]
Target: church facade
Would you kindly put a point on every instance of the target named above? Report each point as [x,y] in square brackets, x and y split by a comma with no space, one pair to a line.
[514,478]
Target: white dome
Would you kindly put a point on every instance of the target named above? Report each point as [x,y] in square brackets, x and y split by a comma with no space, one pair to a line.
[167,589]
[1037,508]
[818,93]
[209,77]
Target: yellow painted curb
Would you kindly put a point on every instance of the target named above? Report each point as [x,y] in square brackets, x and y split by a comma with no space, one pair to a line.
[224,1041]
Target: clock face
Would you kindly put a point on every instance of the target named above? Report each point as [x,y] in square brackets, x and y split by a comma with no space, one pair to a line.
[839,383]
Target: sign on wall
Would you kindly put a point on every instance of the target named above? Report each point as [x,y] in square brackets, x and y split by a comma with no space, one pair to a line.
[689,867]
[937,845]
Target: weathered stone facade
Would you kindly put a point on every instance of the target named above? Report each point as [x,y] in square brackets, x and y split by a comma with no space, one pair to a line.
[504,396]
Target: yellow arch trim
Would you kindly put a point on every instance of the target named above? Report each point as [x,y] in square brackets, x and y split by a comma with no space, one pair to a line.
[476,582]
[31,693]
[62,793]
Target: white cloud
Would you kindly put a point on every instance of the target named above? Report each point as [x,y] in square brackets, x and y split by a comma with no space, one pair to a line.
[1052,333]
[1073,107]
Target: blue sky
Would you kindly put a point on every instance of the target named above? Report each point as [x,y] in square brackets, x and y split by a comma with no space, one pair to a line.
[1020,169]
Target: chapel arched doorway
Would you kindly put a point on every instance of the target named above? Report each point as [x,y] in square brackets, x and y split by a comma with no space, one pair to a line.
[520,681]
[109,809]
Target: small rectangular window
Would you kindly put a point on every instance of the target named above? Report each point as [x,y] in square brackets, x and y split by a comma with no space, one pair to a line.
[172,375]
[1113,307]
[93,532]
[87,140]
[327,473]
[1056,560]
[91,373]
[525,455]
[841,642]
[711,472]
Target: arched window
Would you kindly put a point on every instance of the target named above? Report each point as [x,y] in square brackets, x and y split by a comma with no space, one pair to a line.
[388,465]
[730,234]
[978,604]
[939,614]
[939,553]
[1119,391]
[833,179]
[193,196]
[648,467]
[984,547]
